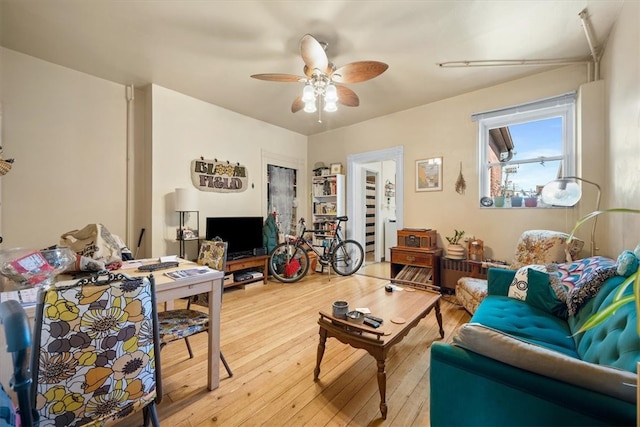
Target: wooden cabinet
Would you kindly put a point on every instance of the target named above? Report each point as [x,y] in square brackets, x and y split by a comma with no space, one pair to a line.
[260,262]
[416,265]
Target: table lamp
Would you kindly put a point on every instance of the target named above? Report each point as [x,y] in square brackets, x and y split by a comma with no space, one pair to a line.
[567,192]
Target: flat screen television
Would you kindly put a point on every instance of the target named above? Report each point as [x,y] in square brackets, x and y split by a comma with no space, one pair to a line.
[243,234]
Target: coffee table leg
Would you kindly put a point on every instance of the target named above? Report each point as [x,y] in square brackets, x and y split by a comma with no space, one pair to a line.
[321,343]
[439,317]
[382,386]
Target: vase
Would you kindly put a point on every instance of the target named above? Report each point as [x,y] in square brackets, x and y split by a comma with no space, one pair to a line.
[531,202]
[498,201]
[516,202]
[455,251]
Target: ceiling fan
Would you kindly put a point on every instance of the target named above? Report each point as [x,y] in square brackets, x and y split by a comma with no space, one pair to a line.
[323,82]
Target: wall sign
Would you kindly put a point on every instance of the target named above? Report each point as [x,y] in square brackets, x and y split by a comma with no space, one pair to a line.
[220,177]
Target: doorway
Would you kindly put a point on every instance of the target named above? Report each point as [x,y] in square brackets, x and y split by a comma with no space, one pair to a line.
[358,166]
[371,214]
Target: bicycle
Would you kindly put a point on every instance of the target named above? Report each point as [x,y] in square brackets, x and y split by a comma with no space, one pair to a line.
[289,261]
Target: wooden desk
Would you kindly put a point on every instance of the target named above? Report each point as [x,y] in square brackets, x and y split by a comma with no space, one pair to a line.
[167,290]
[412,306]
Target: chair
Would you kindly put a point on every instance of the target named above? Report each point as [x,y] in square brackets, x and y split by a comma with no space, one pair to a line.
[182,323]
[96,354]
[18,335]
[533,247]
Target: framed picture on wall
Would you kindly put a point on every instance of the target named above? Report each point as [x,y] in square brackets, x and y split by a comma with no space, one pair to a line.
[336,168]
[429,174]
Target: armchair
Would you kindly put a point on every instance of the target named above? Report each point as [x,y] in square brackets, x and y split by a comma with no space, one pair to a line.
[96,355]
[533,247]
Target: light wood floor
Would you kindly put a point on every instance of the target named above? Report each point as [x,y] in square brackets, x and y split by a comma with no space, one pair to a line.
[269,336]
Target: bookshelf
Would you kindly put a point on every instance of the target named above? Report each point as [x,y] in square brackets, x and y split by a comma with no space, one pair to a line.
[328,203]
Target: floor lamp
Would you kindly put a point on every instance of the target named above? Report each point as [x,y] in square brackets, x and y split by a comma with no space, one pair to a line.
[567,192]
[186,201]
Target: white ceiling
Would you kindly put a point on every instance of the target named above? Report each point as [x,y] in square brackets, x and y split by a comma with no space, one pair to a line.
[208,49]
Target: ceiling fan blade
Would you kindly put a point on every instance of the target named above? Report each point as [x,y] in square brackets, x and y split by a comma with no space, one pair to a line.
[358,71]
[297,105]
[279,77]
[313,55]
[347,97]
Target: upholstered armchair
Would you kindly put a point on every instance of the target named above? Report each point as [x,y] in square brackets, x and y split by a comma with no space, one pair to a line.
[96,354]
[533,247]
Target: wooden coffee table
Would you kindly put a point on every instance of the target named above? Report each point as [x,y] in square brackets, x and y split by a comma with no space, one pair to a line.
[409,305]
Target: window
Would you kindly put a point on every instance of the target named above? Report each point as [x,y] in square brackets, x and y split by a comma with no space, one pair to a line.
[524,147]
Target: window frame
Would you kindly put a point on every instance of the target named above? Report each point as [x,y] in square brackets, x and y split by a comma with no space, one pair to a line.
[562,106]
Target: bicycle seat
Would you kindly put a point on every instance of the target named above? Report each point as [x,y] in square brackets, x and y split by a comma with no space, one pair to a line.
[342,218]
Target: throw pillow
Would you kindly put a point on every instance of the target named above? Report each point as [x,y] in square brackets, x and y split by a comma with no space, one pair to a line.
[627,264]
[583,278]
[531,284]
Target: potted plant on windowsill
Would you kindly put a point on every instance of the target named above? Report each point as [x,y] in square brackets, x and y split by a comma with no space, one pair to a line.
[454,249]
[516,200]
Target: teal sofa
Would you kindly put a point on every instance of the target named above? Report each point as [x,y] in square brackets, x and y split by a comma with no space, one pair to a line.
[520,362]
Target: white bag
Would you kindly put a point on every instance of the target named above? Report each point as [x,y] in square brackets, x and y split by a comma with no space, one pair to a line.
[95,242]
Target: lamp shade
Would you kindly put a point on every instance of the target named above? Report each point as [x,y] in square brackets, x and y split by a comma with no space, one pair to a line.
[186,199]
[561,192]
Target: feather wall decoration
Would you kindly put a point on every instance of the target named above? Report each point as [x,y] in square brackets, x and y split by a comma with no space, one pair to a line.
[461,184]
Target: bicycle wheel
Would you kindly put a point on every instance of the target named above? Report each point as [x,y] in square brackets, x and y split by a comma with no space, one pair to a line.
[347,257]
[288,263]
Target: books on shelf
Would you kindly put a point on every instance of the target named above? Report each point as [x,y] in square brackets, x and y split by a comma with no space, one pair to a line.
[324,208]
[325,187]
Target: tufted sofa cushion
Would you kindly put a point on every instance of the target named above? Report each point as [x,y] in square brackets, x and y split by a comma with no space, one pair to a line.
[614,342]
[517,318]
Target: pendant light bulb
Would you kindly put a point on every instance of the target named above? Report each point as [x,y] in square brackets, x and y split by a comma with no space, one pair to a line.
[308,94]
[310,107]
[331,94]
[330,107]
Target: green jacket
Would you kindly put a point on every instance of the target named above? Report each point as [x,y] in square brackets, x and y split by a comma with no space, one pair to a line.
[270,233]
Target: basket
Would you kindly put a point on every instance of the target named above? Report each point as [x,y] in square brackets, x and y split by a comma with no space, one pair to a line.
[5,167]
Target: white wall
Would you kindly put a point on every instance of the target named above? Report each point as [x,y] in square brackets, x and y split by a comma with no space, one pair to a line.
[184,128]
[445,129]
[621,72]
[67,132]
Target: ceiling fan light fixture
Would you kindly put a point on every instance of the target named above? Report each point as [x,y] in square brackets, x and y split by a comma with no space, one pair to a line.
[310,107]
[331,94]
[330,107]
[320,92]
[308,94]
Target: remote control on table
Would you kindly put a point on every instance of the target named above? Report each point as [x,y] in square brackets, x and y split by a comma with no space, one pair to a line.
[371,323]
[374,318]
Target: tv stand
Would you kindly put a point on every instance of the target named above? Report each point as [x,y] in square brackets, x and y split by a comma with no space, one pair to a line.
[260,262]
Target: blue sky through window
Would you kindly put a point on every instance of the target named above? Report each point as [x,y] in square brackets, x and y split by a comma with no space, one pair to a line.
[540,138]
